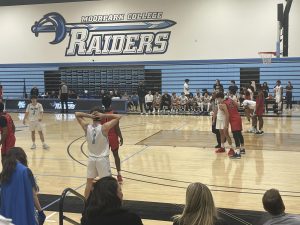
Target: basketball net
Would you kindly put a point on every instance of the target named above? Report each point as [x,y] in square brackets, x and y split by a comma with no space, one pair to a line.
[266,57]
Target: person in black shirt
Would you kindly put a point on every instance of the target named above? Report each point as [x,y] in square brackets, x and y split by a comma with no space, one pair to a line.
[218,87]
[265,89]
[233,88]
[102,93]
[34,91]
[73,95]
[289,95]
[141,90]
[63,95]
[199,208]
[53,94]
[165,102]
[104,206]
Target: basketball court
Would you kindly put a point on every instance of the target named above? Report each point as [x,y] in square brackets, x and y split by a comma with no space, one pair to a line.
[161,155]
[95,46]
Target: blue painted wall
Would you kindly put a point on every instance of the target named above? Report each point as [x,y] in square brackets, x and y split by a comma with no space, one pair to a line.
[202,74]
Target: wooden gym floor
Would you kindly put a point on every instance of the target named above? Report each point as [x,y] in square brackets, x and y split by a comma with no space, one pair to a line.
[163,154]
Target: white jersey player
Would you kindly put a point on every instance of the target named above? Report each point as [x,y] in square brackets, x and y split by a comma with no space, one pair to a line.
[98,146]
[34,113]
[278,90]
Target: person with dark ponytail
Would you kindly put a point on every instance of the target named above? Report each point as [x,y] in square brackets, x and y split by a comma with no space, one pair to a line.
[19,190]
[104,206]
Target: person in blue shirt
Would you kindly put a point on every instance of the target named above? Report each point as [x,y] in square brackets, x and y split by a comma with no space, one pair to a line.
[19,190]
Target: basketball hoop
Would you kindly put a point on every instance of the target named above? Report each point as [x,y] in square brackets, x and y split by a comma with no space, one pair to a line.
[267,57]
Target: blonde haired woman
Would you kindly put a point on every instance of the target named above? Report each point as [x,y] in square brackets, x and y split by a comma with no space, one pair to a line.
[199,207]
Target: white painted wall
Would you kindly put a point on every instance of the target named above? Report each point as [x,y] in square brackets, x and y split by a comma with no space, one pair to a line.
[205,29]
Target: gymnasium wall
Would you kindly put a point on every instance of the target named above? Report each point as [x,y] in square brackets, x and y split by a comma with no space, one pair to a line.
[214,29]
[201,74]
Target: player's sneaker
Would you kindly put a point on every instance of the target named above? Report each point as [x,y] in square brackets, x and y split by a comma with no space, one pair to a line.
[220,150]
[252,130]
[259,132]
[230,152]
[120,179]
[45,146]
[236,156]
[242,151]
[33,146]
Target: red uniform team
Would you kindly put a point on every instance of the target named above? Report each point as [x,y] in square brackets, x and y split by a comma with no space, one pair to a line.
[113,136]
[7,128]
[227,113]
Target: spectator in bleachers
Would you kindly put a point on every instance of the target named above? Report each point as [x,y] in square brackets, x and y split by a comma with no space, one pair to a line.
[218,87]
[265,89]
[183,101]
[233,88]
[199,101]
[274,205]
[127,98]
[175,103]
[53,94]
[19,190]
[186,87]
[165,102]
[199,207]
[135,100]
[206,102]
[149,102]
[289,95]
[34,91]
[191,106]
[102,93]
[111,94]
[73,95]
[104,207]
[156,102]
[141,91]
[117,94]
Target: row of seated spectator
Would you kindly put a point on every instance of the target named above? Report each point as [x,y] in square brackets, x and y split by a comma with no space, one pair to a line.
[104,206]
[198,103]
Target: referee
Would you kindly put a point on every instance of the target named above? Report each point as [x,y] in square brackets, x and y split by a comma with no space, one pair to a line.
[63,95]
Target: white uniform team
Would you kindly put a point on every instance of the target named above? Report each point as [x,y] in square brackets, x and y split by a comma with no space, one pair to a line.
[34,113]
[34,116]
[96,135]
[98,152]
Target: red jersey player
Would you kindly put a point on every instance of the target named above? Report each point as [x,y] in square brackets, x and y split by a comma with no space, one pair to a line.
[113,136]
[235,121]
[7,129]
[259,111]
